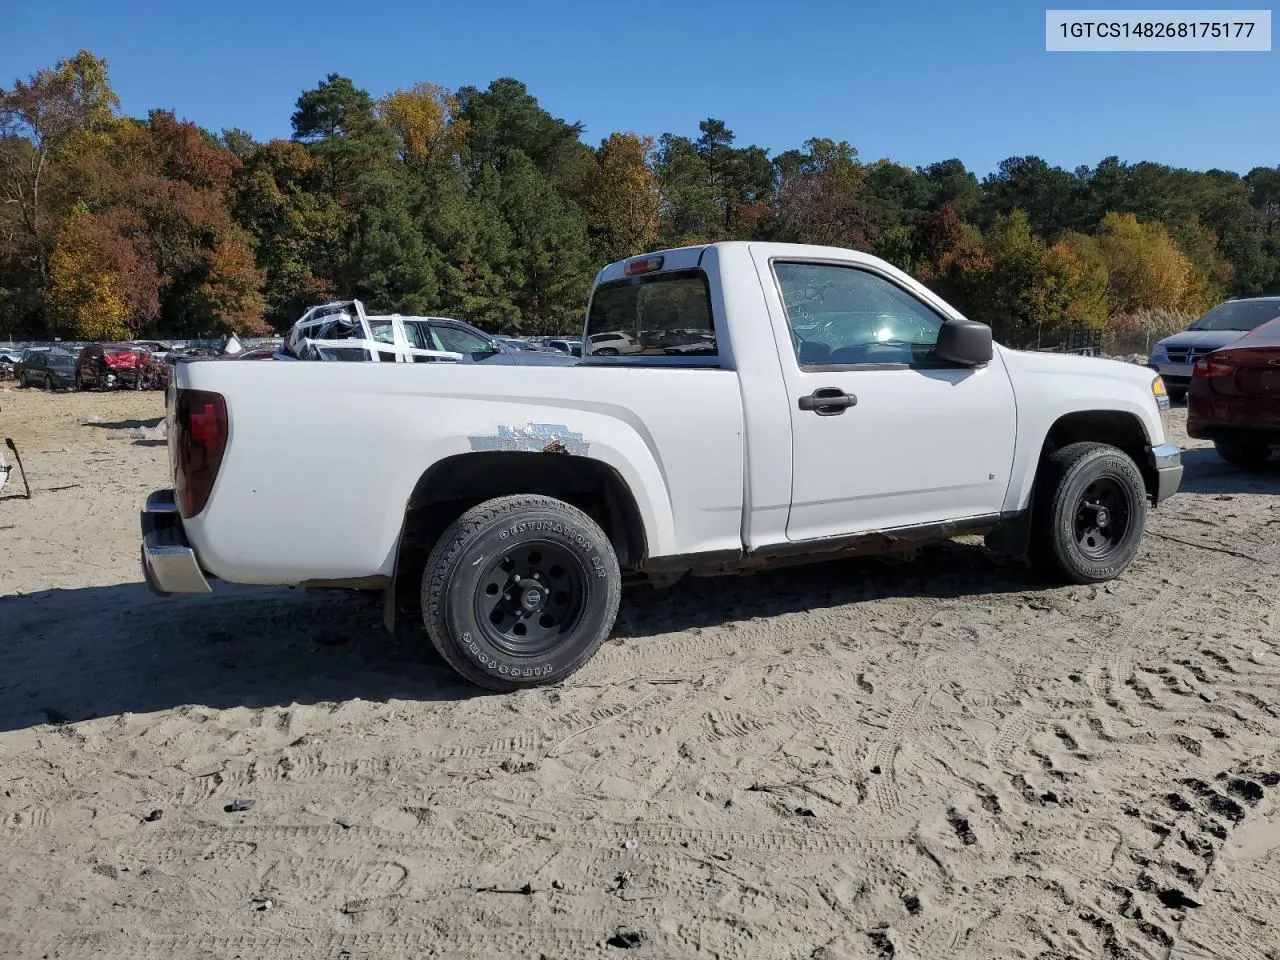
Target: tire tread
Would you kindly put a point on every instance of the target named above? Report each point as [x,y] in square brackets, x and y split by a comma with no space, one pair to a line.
[1050,489]
[456,538]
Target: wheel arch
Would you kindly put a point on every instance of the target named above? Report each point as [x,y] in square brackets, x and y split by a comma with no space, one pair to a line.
[454,484]
[1119,428]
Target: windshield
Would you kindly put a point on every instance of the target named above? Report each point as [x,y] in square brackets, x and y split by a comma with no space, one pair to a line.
[1238,315]
[61,360]
[662,314]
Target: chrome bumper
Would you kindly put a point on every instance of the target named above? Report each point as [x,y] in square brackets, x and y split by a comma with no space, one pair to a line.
[169,565]
[1166,460]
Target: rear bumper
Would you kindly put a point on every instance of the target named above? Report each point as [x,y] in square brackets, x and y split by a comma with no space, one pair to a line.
[1214,416]
[169,564]
[1166,461]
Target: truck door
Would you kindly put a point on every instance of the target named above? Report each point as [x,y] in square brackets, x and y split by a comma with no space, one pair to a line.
[884,434]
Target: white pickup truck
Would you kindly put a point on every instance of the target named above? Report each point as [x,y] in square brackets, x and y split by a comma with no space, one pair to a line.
[782,403]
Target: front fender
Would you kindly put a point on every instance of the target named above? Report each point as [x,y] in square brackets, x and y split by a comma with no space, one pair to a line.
[1048,387]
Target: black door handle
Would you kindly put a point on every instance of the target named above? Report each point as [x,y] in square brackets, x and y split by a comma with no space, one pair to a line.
[828,401]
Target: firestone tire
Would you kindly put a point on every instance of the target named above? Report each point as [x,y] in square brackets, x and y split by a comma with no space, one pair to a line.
[520,591]
[1090,513]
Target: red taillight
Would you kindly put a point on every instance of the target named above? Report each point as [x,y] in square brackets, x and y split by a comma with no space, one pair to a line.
[1209,367]
[199,440]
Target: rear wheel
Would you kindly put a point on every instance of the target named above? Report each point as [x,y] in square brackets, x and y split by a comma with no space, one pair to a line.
[1245,455]
[605,352]
[1091,508]
[520,591]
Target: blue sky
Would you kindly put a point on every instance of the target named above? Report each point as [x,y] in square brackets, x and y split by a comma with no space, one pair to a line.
[915,82]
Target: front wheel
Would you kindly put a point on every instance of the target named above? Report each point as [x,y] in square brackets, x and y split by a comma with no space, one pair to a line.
[1247,456]
[1090,511]
[520,591]
[48,382]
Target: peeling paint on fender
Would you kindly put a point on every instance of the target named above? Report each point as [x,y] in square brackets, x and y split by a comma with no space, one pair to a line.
[533,438]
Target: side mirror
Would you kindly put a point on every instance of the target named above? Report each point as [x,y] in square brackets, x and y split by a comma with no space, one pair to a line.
[964,342]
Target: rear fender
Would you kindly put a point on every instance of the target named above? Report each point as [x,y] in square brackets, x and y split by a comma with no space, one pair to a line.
[624,454]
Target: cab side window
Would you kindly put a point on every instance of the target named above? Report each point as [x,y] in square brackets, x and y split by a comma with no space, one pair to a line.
[846,316]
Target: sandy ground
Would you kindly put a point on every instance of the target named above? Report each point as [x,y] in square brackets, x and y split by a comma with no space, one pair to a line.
[852,760]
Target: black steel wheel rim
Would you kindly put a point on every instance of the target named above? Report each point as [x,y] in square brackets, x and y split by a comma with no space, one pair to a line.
[1104,512]
[530,597]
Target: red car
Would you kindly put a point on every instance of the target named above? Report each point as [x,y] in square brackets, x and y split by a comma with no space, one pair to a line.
[127,364]
[110,365]
[1234,399]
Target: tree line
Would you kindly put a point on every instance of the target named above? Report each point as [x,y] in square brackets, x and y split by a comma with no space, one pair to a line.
[478,203]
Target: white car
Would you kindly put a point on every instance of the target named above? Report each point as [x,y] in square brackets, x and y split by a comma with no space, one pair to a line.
[839,407]
[342,330]
[611,344]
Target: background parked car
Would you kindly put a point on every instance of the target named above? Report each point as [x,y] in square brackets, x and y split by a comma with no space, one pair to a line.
[27,354]
[50,369]
[1234,398]
[110,365]
[342,331]
[158,349]
[567,345]
[611,344]
[1175,357]
[519,343]
[457,336]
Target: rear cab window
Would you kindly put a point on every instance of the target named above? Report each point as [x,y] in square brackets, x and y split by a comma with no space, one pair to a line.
[657,315]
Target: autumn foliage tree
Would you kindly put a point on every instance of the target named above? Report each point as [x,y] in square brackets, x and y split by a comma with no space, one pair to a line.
[479,203]
[38,118]
[425,121]
[1073,289]
[624,206]
[822,197]
[1145,269]
[86,298]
